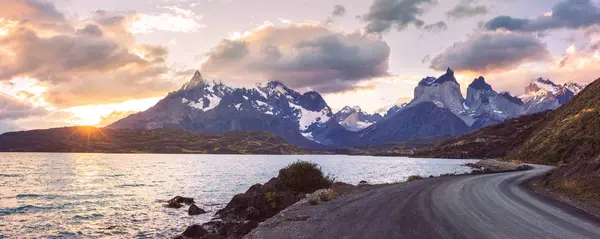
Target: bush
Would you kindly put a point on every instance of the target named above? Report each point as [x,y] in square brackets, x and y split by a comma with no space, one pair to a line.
[304,177]
[414,178]
[327,196]
[313,202]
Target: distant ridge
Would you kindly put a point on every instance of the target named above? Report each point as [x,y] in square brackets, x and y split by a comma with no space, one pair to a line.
[98,140]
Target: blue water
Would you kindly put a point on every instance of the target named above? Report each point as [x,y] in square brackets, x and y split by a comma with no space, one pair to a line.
[121,196]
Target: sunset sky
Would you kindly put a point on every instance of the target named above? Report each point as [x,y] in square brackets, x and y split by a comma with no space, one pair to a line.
[89,62]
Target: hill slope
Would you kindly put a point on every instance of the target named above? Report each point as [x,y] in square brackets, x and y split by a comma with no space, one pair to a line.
[96,140]
[570,138]
[491,142]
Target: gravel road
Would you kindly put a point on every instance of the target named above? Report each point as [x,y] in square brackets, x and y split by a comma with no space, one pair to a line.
[482,206]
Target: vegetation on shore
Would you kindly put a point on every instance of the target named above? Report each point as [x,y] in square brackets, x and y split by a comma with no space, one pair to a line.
[304,177]
[102,140]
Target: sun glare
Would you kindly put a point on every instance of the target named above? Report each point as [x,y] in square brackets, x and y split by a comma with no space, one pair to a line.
[91,115]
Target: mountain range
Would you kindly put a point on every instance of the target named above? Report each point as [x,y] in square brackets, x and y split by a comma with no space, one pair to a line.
[305,119]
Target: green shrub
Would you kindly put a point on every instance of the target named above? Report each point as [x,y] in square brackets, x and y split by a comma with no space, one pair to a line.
[272,198]
[304,177]
[327,196]
[414,178]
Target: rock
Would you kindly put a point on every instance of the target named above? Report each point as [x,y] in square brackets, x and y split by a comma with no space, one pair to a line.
[267,199]
[195,231]
[253,214]
[195,210]
[173,205]
[363,182]
[182,200]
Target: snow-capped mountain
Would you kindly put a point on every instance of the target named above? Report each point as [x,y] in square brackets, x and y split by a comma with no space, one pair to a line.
[438,109]
[541,95]
[213,107]
[484,106]
[355,119]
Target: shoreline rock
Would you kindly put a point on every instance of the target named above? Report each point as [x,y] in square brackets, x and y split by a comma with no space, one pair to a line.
[245,211]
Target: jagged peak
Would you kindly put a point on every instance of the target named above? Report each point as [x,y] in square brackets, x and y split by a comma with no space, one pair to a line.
[449,76]
[427,80]
[196,80]
[480,84]
[547,81]
[511,98]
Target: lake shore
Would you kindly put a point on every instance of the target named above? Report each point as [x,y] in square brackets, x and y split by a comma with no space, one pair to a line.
[244,212]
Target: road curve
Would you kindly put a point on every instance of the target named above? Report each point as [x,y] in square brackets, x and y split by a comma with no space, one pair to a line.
[482,206]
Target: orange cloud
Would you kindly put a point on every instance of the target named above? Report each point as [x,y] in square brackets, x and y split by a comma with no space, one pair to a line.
[97,63]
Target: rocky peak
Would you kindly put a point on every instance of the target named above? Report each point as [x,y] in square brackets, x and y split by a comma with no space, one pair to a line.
[480,84]
[574,87]
[427,81]
[513,99]
[196,81]
[449,76]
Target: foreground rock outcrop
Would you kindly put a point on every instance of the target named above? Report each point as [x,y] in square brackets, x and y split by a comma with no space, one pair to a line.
[245,211]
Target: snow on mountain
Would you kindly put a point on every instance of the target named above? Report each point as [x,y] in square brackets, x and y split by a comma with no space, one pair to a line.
[541,95]
[574,87]
[213,107]
[355,119]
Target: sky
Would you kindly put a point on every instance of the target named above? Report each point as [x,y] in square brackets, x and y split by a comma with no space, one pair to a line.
[88,62]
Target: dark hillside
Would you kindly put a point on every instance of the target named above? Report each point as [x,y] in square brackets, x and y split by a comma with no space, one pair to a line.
[97,140]
[491,142]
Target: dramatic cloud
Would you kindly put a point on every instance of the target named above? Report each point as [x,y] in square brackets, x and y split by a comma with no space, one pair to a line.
[571,14]
[338,11]
[40,14]
[180,20]
[436,27]
[301,56]
[466,9]
[97,63]
[12,108]
[491,52]
[384,15]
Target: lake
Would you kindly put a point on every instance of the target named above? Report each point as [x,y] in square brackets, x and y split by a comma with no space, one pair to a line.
[60,195]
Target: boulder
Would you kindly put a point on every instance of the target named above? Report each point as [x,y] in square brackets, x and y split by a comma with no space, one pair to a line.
[363,182]
[195,210]
[195,231]
[182,200]
[266,201]
[173,205]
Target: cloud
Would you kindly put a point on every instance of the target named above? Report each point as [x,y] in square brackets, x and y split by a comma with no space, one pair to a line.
[98,63]
[180,20]
[426,59]
[301,56]
[113,117]
[570,14]
[491,52]
[465,9]
[338,11]
[12,108]
[34,13]
[436,27]
[384,15]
